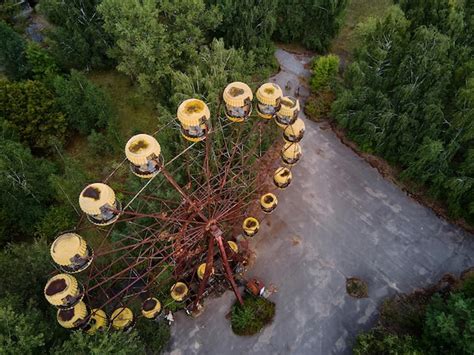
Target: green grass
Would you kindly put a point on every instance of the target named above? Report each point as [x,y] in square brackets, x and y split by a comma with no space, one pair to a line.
[357,11]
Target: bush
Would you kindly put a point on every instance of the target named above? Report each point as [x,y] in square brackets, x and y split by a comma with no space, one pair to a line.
[40,62]
[86,106]
[30,108]
[156,335]
[12,53]
[56,220]
[435,320]
[20,333]
[25,192]
[119,343]
[449,325]
[313,23]
[325,70]
[98,144]
[250,318]
[378,342]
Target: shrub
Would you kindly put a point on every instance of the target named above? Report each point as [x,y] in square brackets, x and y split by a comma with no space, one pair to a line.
[32,111]
[325,69]
[379,342]
[86,106]
[12,53]
[250,318]
[449,325]
[40,63]
[119,343]
[156,335]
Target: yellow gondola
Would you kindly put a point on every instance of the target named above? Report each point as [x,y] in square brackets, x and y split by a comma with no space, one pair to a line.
[71,252]
[282,177]
[63,291]
[291,153]
[268,202]
[193,116]
[202,269]
[294,132]
[288,113]
[99,203]
[98,322]
[269,97]
[143,152]
[250,226]
[122,319]
[238,101]
[74,317]
[151,308]
[179,291]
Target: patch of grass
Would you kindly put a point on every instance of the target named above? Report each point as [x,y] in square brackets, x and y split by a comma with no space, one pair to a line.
[250,318]
[135,111]
[357,11]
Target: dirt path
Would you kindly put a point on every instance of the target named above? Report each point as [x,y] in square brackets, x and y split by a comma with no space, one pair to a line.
[339,218]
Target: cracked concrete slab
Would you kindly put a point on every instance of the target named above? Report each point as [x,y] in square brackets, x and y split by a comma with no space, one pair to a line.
[338,218]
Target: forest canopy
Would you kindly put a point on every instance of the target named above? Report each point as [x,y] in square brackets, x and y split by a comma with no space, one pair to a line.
[409,96]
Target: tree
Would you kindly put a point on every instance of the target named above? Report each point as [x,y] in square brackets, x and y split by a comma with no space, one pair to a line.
[77,39]
[86,106]
[313,23]
[25,192]
[248,24]
[19,333]
[408,96]
[325,70]
[41,64]
[101,343]
[152,39]
[449,326]
[12,53]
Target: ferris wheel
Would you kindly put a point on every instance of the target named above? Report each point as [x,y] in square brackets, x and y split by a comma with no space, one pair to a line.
[174,238]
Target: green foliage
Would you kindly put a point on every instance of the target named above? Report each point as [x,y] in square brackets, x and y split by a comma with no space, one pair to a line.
[248,24]
[156,335]
[431,321]
[56,220]
[25,193]
[41,64]
[12,53]
[20,333]
[325,69]
[313,23]
[98,144]
[30,108]
[250,318]
[409,96]
[153,39]
[449,325]
[8,9]
[86,106]
[378,342]
[214,68]
[31,263]
[77,39]
[101,343]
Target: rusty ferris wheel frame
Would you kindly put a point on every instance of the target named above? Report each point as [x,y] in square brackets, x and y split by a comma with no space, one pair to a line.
[226,173]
